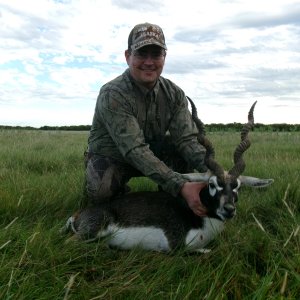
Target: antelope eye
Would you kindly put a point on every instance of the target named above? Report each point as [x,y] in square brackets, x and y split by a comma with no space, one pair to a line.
[212,189]
[211,185]
[236,187]
[214,185]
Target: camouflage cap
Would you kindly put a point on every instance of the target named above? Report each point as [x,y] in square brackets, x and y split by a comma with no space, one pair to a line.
[146,34]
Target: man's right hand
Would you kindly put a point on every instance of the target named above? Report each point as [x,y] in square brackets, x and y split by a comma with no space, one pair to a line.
[190,191]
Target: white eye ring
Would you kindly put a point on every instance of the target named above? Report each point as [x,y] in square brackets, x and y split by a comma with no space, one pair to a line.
[213,186]
[238,186]
[212,189]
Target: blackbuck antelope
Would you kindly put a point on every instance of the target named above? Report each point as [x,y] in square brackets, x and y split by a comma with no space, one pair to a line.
[158,221]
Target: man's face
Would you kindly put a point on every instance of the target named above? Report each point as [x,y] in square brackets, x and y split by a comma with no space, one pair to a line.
[146,64]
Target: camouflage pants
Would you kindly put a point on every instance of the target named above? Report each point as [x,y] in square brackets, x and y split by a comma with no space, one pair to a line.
[107,177]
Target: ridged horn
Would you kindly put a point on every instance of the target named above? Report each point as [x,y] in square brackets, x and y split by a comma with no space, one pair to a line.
[210,162]
[239,163]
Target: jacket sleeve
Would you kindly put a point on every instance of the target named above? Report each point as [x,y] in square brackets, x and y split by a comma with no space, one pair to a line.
[123,127]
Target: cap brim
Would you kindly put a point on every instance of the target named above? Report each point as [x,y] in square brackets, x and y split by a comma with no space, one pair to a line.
[147,43]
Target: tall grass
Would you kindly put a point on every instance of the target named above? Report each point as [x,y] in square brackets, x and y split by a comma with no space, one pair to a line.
[256,257]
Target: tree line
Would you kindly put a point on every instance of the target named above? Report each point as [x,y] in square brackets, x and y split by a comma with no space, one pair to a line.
[280,127]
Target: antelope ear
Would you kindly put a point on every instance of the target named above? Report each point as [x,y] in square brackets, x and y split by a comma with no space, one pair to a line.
[255,182]
[197,177]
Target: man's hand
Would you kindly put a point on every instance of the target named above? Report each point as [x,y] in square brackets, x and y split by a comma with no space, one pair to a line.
[190,192]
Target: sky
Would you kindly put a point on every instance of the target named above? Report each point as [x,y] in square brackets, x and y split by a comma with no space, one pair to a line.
[56,55]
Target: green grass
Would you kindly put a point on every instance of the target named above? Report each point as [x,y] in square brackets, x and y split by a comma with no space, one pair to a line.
[256,257]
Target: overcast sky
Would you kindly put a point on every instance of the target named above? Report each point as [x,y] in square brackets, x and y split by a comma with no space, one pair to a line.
[55,56]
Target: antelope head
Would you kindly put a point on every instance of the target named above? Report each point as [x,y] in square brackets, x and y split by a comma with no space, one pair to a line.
[224,185]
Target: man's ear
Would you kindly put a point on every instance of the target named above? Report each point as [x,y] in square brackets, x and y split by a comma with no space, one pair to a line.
[127,56]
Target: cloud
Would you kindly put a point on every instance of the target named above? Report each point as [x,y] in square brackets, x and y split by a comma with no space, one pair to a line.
[55,55]
[138,5]
[289,15]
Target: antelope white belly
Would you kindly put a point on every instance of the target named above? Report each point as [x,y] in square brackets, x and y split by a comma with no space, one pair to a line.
[198,238]
[148,238]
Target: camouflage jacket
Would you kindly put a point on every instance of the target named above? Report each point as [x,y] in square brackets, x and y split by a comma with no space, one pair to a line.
[129,117]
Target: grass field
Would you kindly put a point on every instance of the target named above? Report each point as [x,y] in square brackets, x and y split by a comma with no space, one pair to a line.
[256,257]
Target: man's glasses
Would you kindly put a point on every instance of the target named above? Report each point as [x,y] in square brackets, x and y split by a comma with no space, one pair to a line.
[154,55]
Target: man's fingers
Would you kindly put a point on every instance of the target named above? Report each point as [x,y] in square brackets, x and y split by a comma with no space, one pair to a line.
[200,211]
